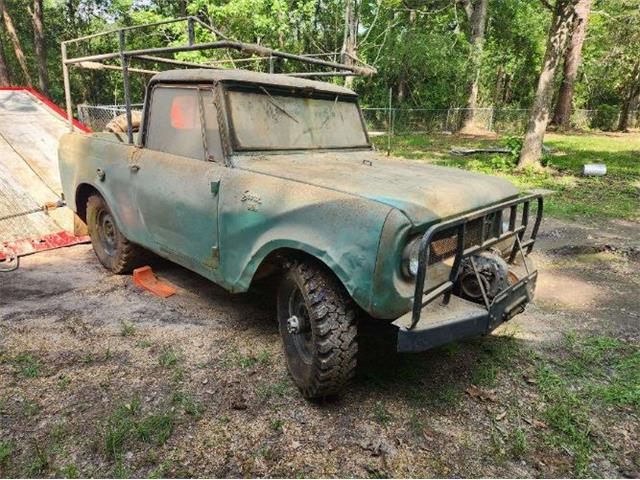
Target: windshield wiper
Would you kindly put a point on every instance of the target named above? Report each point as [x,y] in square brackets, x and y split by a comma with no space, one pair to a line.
[282,109]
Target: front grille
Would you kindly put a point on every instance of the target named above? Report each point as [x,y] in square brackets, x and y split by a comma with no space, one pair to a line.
[444,243]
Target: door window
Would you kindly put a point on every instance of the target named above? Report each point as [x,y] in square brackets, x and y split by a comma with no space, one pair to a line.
[175,123]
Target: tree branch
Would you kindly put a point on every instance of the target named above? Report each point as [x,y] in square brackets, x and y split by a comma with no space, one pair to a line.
[546,4]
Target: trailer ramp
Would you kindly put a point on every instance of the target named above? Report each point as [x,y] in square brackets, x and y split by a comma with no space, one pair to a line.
[30,127]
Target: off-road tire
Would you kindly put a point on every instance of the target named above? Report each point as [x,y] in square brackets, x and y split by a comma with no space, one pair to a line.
[119,255]
[329,360]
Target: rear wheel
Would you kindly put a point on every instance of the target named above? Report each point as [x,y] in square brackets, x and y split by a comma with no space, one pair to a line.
[318,329]
[111,247]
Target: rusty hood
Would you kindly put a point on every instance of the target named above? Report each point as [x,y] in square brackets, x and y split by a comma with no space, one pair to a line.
[423,192]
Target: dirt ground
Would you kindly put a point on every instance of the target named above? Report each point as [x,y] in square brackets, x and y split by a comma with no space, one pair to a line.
[99,378]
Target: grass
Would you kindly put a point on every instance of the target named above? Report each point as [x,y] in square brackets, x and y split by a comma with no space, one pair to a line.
[381,414]
[26,366]
[39,463]
[276,424]
[6,449]
[188,404]
[168,358]
[614,196]
[127,424]
[68,471]
[518,444]
[127,329]
[595,372]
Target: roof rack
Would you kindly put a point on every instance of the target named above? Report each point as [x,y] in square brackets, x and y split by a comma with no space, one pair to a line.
[348,66]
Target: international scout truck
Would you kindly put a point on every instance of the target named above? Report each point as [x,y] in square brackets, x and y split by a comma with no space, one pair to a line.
[241,176]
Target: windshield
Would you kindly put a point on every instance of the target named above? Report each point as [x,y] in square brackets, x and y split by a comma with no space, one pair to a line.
[264,119]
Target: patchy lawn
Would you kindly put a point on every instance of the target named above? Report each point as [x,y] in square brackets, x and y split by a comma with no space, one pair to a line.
[615,196]
[102,379]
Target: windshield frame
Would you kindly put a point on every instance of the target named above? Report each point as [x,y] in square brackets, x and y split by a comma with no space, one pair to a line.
[277,91]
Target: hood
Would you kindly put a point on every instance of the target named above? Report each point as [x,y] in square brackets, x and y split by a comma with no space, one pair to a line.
[423,192]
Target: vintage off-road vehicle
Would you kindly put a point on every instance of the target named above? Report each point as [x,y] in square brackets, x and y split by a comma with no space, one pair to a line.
[239,175]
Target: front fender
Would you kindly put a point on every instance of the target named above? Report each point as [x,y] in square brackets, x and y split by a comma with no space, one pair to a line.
[260,214]
[354,281]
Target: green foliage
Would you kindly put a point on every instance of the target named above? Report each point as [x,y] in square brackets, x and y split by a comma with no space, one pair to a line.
[127,423]
[514,144]
[6,449]
[593,198]
[127,329]
[156,428]
[605,118]
[519,446]
[421,49]
[597,371]
[168,358]
[26,366]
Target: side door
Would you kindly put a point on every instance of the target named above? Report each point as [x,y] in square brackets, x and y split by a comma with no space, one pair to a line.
[177,175]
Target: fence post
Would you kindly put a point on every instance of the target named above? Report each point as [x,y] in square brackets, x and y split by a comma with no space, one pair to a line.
[389,124]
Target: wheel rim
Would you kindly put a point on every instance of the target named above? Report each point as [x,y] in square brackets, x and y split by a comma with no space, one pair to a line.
[299,326]
[107,232]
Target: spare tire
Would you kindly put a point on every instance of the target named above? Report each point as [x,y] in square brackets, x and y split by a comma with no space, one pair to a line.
[119,123]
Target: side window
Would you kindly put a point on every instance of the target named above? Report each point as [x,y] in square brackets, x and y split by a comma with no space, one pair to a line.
[174,123]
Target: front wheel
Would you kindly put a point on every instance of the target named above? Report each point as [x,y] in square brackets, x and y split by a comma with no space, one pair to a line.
[317,322]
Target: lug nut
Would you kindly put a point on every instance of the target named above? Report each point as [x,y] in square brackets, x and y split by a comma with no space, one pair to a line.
[293,325]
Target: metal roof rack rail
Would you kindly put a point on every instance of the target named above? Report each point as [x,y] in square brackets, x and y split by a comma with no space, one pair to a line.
[348,66]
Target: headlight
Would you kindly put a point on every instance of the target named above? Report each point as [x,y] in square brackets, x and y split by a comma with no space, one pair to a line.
[410,258]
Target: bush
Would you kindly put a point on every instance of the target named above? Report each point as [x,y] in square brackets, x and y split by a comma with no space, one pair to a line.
[605,118]
[515,145]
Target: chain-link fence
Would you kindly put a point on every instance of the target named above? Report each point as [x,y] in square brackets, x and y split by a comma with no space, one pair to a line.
[401,121]
[96,117]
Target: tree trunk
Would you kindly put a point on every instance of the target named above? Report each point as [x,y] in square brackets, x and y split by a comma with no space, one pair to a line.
[497,96]
[350,43]
[13,36]
[5,79]
[572,58]
[38,34]
[477,12]
[632,91]
[563,15]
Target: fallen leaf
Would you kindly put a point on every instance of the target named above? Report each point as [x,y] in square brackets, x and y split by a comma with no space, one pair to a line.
[539,424]
[481,394]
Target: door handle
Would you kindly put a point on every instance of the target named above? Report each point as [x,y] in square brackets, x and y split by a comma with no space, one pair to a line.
[134,168]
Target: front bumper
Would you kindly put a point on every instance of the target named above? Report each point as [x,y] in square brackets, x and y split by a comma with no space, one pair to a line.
[431,323]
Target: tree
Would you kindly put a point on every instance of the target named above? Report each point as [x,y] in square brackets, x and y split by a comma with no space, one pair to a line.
[5,80]
[477,15]
[38,36]
[350,42]
[17,47]
[572,58]
[630,97]
[560,30]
